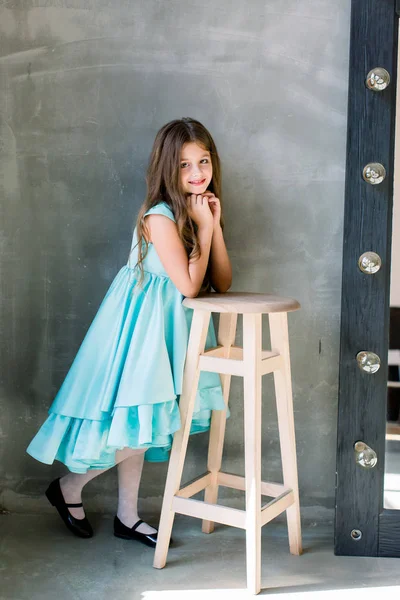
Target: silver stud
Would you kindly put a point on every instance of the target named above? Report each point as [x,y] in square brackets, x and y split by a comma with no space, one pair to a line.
[368,361]
[378,79]
[369,263]
[374,173]
[364,455]
[356,535]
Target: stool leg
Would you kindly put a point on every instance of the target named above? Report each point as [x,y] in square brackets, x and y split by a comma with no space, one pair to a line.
[197,340]
[252,347]
[284,402]
[226,338]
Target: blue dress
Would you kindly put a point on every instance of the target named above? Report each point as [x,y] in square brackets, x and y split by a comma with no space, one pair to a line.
[124,384]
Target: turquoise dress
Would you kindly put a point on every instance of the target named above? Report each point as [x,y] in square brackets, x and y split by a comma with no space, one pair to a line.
[124,384]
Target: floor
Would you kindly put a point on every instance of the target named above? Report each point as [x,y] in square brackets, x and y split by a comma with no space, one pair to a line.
[39,559]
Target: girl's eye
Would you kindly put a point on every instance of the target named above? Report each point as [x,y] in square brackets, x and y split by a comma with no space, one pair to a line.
[185,164]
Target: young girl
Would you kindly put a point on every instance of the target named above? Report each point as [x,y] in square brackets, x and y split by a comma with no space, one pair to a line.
[119,400]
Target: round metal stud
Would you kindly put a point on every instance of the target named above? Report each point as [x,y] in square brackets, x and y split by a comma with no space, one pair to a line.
[368,361]
[378,79]
[374,173]
[365,456]
[356,535]
[369,263]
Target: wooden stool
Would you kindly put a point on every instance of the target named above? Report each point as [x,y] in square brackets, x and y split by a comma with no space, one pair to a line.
[251,363]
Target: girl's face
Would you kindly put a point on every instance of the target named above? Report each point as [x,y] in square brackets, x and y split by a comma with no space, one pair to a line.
[195,168]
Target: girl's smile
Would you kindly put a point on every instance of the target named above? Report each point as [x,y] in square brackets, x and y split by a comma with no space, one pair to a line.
[197,182]
[195,168]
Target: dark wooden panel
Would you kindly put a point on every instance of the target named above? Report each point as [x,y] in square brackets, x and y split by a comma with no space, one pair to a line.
[365,298]
[389,533]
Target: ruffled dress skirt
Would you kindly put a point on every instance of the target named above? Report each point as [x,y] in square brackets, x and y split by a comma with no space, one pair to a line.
[123,387]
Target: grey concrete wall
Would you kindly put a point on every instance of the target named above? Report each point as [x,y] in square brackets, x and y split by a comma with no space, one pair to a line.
[84,86]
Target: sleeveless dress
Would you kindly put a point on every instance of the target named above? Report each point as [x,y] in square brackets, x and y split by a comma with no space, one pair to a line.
[124,384]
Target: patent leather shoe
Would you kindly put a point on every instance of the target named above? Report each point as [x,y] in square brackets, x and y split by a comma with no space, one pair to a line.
[79,527]
[131,533]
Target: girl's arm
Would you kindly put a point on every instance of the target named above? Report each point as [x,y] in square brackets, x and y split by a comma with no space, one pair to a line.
[220,265]
[187,275]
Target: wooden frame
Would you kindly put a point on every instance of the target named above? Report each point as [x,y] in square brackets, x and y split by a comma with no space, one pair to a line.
[365,298]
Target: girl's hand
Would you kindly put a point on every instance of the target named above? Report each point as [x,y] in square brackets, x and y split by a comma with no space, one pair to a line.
[199,211]
[215,206]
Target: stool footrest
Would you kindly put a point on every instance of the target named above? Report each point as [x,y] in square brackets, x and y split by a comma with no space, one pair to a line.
[236,482]
[210,512]
[196,485]
[230,516]
[216,361]
[239,483]
[276,507]
[182,503]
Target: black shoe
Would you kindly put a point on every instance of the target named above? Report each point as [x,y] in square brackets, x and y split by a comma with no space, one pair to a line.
[79,527]
[130,533]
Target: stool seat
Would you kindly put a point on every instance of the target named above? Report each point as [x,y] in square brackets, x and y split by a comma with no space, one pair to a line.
[242,303]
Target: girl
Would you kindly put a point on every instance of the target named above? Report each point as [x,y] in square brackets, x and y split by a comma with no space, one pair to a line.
[119,400]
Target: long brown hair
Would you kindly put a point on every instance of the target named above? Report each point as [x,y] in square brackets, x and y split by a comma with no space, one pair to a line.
[163,184]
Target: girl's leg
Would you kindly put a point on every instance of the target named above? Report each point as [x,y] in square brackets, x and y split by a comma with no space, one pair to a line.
[129,475]
[72,484]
